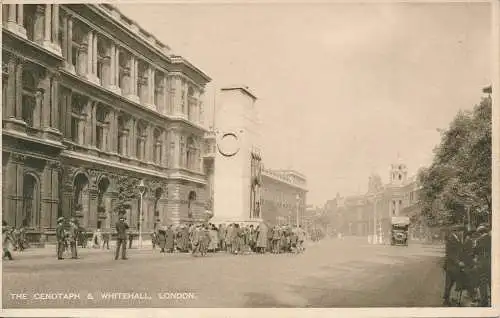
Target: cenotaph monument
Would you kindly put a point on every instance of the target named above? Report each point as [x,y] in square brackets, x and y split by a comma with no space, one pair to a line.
[237,165]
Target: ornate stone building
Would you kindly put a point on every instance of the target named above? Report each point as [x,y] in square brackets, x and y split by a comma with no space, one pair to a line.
[371,212]
[92,104]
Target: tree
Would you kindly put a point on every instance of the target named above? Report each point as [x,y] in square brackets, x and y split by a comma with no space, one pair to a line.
[460,174]
[127,192]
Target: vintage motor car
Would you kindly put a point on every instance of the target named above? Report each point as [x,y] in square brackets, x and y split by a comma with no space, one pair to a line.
[399,230]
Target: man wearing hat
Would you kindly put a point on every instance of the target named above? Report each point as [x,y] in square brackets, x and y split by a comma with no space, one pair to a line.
[60,237]
[453,254]
[121,238]
[483,253]
[73,232]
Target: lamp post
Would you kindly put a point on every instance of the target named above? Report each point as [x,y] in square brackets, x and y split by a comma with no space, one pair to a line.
[297,197]
[142,189]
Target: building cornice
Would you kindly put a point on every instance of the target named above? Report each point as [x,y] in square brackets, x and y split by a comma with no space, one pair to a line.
[175,175]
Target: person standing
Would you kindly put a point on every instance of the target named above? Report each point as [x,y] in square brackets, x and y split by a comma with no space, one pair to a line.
[161,239]
[262,238]
[60,236]
[72,233]
[170,238]
[121,238]
[105,239]
[229,237]
[222,237]
[7,241]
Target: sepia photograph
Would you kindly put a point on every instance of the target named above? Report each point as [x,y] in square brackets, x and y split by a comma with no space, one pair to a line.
[215,154]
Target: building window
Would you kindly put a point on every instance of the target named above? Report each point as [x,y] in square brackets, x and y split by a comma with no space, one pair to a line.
[140,141]
[77,118]
[122,136]
[101,127]
[31,211]
[157,156]
[191,200]
[29,20]
[28,97]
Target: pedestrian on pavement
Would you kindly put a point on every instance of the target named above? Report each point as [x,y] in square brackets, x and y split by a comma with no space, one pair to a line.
[170,238]
[483,252]
[130,239]
[60,237]
[121,238]
[453,264]
[222,237]
[6,241]
[262,237]
[162,239]
[73,236]
[105,239]
[214,238]
[229,238]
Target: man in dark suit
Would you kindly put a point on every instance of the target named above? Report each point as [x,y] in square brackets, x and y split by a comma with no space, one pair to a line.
[121,238]
[60,236]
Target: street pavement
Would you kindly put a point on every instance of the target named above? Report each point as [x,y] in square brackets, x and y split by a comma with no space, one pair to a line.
[331,273]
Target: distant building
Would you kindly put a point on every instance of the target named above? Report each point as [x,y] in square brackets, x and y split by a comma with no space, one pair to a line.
[371,212]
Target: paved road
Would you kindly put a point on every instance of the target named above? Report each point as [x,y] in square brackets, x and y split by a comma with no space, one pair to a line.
[331,273]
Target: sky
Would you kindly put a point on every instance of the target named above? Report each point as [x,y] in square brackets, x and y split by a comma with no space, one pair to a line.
[344,89]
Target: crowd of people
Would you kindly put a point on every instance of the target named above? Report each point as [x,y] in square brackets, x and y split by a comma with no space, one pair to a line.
[232,238]
[468,264]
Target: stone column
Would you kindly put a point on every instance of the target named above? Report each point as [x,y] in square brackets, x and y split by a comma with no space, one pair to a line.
[20,15]
[164,149]
[132,142]
[54,85]
[148,144]
[112,65]
[113,132]
[165,96]
[70,42]
[176,162]
[48,24]
[117,66]
[10,109]
[93,123]
[55,24]
[151,85]
[19,89]
[12,13]
[37,123]
[64,41]
[94,55]
[45,87]
[90,52]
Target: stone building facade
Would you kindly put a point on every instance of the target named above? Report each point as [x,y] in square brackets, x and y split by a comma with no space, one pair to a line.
[283,193]
[370,213]
[92,104]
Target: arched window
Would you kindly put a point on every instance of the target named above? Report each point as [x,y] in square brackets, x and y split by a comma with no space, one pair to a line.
[31,202]
[28,97]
